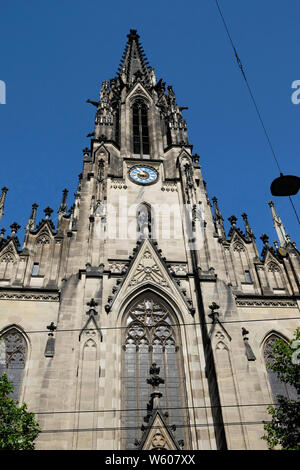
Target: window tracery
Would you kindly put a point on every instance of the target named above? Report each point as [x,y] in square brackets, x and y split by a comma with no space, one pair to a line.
[140,128]
[277,386]
[275,276]
[150,337]
[14,358]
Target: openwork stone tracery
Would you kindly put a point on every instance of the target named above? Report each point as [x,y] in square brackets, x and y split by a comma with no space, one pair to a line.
[277,387]
[13,358]
[150,337]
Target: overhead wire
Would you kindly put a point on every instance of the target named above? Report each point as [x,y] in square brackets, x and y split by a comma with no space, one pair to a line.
[130,410]
[103,328]
[135,428]
[239,62]
[183,324]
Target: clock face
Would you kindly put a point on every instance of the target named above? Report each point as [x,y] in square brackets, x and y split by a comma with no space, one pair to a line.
[143,175]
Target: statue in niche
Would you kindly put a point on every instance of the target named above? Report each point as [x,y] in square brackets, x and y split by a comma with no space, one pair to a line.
[144,221]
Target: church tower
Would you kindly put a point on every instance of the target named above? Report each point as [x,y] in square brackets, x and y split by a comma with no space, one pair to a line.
[140,275]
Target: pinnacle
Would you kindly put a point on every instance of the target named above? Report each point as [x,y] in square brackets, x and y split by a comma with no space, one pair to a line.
[134,61]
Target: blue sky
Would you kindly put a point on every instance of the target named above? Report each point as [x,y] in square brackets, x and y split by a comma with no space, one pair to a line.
[54,55]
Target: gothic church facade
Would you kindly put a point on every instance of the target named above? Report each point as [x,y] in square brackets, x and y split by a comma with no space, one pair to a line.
[137,322]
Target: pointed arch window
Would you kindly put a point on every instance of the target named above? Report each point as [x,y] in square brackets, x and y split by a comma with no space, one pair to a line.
[275,276]
[277,387]
[140,128]
[13,358]
[168,133]
[117,124]
[150,337]
[7,266]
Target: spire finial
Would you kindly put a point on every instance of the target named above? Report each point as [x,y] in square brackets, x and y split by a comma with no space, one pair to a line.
[48,211]
[248,229]
[265,239]
[219,219]
[2,200]
[31,221]
[278,225]
[134,63]
[63,206]
[14,228]
[232,219]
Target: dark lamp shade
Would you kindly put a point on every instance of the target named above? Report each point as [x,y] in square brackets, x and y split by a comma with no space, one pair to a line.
[285,185]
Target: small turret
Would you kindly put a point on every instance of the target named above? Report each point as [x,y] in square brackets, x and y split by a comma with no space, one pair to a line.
[248,229]
[219,221]
[2,200]
[63,205]
[278,225]
[31,221]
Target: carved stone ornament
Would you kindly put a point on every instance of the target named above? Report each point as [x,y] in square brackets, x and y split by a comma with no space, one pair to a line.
[139,93]
[238,247]
[265,303]
[149,323]
[273,267]
[7,257]
[158,441]
[219,336]
[118,184]
[169,187]
[148,270]
[117,267]
[179,269]
[15,348]
[36,296]
[43,239]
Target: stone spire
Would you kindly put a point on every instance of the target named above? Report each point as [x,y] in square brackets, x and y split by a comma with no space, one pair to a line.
[2,200]
[248,229]
[2,235]
[278,225]
[219,219]
[177,124]
[30,226]
[134,64]
[63,205]
[31,221]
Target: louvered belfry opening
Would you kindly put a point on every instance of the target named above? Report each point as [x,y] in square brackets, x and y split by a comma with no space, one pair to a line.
[140,128]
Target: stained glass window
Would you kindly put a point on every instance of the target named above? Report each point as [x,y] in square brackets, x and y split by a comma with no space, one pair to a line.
[277,387]
[140,128]
[13,359]
[150,337]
